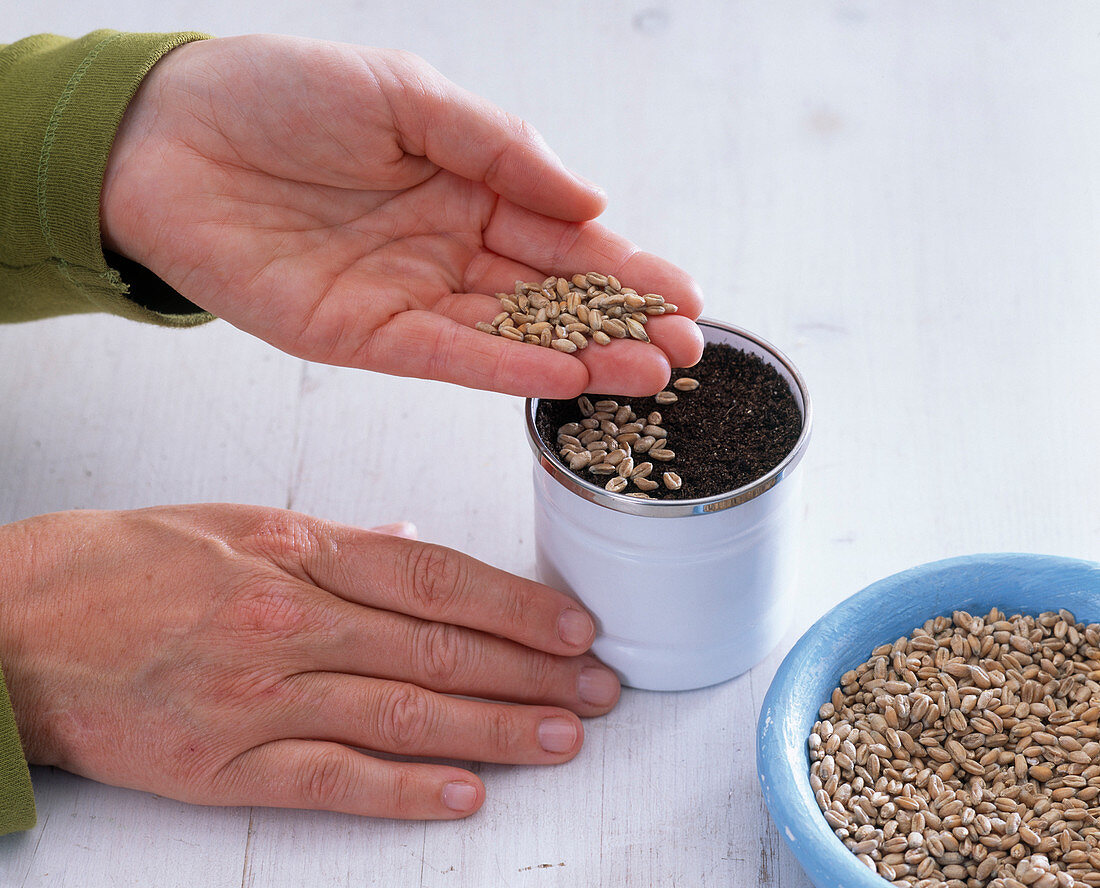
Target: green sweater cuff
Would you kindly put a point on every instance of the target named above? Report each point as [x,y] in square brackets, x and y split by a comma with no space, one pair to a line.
[16,797]
[61,102]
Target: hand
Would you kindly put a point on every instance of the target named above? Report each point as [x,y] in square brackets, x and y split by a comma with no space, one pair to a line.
[233,655]
[352,206]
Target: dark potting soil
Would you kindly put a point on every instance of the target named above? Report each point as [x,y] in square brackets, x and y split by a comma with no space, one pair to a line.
[736,427]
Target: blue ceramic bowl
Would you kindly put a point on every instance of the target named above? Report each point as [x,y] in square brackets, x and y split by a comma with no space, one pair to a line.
[844,637]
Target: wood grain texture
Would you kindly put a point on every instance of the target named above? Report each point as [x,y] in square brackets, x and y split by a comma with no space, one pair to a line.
[904,197]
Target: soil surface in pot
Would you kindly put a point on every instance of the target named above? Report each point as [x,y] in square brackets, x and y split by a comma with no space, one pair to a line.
[736,427]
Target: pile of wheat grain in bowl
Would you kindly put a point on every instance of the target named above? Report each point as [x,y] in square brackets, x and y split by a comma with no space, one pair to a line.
[565,313]
[966,754]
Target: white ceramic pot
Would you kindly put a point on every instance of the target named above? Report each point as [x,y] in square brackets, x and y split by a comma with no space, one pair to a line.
[686,593]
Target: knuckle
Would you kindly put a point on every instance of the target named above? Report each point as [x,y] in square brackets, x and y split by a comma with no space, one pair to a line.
[519,133]
[518,138]
[286,537]
[444,652]
[502,734]
[327,780]
[406,716]
[524,131]
[436,578]
[411,78]
[405,59]
[280,533]
[292,542]
[501,371]
[404,794]
[568,238]
[442,355]
[269,608]
[517,605]
[543,677]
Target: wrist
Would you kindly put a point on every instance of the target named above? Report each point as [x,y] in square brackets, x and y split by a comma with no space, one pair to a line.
[128,187]
[119,207]
[21,555]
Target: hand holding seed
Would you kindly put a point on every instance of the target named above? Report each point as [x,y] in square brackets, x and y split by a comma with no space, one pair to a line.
[567,313]
[237,655]
[352,206]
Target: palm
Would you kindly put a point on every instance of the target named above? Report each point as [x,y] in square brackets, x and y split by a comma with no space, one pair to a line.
[306,193]
[331,271]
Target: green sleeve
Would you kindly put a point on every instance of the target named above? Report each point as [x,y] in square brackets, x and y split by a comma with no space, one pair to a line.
[61,102]
[16,797]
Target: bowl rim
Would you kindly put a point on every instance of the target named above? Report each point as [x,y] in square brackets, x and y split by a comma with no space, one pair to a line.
[786,716]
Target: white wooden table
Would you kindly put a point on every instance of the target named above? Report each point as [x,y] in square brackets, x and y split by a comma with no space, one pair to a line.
[903,196]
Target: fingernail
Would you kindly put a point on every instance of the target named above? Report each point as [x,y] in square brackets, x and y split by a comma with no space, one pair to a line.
[575,627]
[597,686]
[557,734]
[404,529]
[459,796]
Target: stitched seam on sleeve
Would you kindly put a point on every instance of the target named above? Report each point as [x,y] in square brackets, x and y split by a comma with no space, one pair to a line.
[47,148]
[56,261]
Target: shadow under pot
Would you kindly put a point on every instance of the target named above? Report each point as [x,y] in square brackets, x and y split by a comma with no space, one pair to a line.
[686,592]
